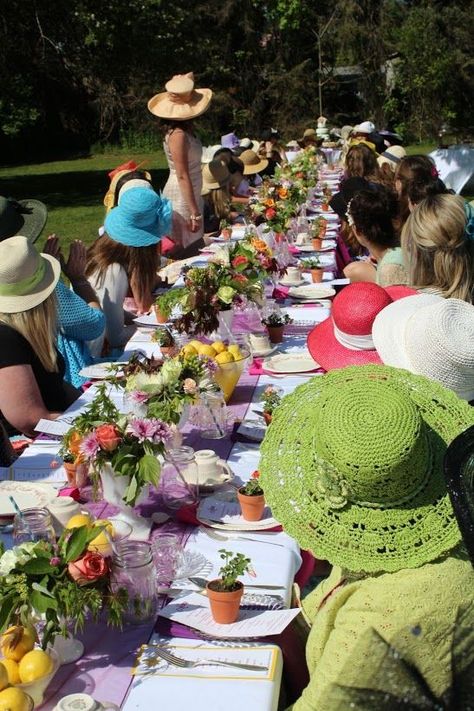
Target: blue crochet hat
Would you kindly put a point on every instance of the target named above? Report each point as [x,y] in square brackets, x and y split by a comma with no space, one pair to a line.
[142,218]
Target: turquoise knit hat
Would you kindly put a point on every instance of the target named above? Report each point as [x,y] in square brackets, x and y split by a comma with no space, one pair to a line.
[142,218]
[352,467]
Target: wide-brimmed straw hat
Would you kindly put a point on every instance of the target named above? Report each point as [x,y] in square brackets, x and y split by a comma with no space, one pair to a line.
[308,133]
[181,101]
[27,217]
[142,218]
[249,143]
[345,338]
[27,278]
[214,175]
[116,174]
[392,156]
[252,162]
[352,467]
[431,336]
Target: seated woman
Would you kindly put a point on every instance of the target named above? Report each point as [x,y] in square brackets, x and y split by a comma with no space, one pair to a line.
[361,162]
[215,191]
[126,258]
[32,384]
[420,170]
[438,247]
[368,494]
[371,214]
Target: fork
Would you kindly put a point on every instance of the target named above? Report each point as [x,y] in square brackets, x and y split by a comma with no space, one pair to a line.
[188,664]
[219,537]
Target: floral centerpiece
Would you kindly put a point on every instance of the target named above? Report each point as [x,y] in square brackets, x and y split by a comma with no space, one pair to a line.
[251,258]
[277,202]
[62,581]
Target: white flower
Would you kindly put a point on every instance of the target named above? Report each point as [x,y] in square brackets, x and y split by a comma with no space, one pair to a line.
[16,556]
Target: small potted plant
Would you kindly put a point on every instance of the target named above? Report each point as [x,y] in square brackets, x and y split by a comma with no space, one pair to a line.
[165,303]
[275,324]
[165,340]
[73,461]
[225,592]
[319,231]
[316,268]
[271,398]
[251,498]
[226,230]
[325,204]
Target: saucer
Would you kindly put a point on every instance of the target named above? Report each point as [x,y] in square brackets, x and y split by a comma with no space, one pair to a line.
[284,282]
[262,354]
[217,484]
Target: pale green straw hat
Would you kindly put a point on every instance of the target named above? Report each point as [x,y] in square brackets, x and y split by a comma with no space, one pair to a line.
[352,467]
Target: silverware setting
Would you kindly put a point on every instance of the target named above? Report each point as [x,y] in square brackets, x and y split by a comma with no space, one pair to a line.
[221,537]
[188,664]
[202,582]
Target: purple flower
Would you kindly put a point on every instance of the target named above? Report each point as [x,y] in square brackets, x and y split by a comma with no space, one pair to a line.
[55,560]
[209,363]
[89,445]
[138,396]
[149,429]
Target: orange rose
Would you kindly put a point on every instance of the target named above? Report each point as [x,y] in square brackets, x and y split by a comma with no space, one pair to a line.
[260,245]
[269,202]
[282,193]
[88,569]
[108,437]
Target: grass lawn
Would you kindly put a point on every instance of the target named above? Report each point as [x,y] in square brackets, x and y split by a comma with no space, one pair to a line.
[73,190]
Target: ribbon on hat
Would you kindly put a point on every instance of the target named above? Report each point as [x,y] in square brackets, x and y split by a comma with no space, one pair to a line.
[469,227]
[26,285]
[354,342]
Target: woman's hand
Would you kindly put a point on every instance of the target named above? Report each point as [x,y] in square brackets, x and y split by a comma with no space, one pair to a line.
[195,223]
[75,266]
[53,248]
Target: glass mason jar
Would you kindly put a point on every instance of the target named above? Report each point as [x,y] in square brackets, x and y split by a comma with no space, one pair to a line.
[134,572]
[213,415]
[179,478]
[33,525]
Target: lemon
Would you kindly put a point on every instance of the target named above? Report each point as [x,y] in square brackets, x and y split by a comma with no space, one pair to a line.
[219,346]
[207,350]
[16,642]
[11,668]
[35,665]
[82,519]
[4,680]
[235,350]
[195,344]
[224,357]
[14,699]
[188,350]
[101,544]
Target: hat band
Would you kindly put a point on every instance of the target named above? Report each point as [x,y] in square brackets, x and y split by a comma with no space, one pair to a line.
[354,343]
[180,98]
[27,285]
[391,157]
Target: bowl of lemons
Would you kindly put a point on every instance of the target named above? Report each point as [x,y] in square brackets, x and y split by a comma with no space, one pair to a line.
[231,360]
[25,670]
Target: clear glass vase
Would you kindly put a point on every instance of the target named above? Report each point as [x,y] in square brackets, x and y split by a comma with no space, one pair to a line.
[179,478]
[133,571]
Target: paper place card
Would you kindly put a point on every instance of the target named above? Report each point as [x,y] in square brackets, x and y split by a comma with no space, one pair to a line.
[193,610]
[39,463]
[149,663]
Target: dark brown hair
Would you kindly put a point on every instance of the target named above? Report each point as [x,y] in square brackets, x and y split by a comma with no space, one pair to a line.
[361,162]
[373,213]
[140,263]
[419,170]
[133,175]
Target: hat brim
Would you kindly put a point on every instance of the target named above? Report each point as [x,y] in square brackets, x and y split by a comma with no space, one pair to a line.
[16,304]
[252,169]
[160,105]
[34,219]
[356,536]
[329,353]
[207,187]
[131,235]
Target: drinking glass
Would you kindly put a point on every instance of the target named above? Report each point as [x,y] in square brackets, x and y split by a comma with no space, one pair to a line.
[133,571]
[179,478]
[167,557]
[213,416]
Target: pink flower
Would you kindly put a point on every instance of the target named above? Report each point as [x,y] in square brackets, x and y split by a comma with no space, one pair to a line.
[89,445]
[88,569]
[190,386]
[55,560]
[150,429]
[138,396]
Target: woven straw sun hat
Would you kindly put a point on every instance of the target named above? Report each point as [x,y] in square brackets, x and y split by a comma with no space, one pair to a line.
[392,156]
[430,336]
[214,175]
[26,217]
[252,162]
[345,338]
[352,467]
[181,101]
[116,174]
[27,278]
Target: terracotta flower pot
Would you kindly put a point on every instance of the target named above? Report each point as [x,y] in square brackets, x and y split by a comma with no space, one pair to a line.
[159,315]
[168,350]
[275,333]
[317,243]
[251,506]
[322,230]
[71,470]
[224,605]
[317,275]
[267,417]
[324,207]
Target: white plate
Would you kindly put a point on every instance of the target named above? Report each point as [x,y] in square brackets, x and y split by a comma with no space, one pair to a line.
[230,507]
[262,525]
[252,429]
[290,363]
[262,354]
[283,282]
[330,216]
[97,371]
[26,494]
[311,291]
[148,320]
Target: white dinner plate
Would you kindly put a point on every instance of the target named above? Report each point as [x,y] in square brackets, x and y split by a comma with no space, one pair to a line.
[290,363]
[27,495]
[262,354]
[262,525]
[330,216]
[310,248]
[311,291]
[224,513]
[98,371]
[148,320]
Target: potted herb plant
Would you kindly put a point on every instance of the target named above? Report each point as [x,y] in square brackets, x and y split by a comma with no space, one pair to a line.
[271,398]
[251,498]
[165,303]
[319,230]
[314,266]
[225,593]
[226,230]
[165,340]
[275,324]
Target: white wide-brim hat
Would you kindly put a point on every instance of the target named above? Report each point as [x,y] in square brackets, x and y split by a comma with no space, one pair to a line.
[27,277]
[432,336]
[181,101]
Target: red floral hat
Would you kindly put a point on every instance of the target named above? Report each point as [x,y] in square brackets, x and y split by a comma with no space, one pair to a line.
[345,338]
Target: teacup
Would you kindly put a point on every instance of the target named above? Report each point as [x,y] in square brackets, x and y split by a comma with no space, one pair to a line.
[84,702]
[293,275]
[259,342]
[62,508]
[211,469]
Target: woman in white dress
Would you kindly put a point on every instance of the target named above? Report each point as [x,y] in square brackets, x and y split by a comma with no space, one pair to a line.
[179,105]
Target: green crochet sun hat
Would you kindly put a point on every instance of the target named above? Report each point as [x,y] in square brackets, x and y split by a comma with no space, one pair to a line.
[352,467]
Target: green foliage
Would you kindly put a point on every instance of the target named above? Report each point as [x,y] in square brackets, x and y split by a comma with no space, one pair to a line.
[235,564]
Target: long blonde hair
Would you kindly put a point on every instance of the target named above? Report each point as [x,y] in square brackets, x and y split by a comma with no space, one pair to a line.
[39,326]
[437,252]
[219,201]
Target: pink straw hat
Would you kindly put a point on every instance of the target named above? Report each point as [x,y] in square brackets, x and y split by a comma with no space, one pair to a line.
[345,338]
